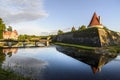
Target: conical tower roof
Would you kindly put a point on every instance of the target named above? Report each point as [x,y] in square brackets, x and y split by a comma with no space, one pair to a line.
[94,21]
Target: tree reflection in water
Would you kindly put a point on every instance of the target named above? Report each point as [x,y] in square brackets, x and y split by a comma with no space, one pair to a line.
[95,60]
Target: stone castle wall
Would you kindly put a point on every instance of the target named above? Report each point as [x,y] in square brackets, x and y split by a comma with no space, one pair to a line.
[108,38]
[96,37]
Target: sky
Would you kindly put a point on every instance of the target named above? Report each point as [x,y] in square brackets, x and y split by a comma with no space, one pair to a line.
[40,17]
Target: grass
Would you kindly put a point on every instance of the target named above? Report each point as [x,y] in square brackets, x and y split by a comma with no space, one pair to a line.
[74,45]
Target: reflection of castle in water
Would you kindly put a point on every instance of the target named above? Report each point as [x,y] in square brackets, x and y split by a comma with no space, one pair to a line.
[7,51]
[10,50]
[96,61]
[102,60]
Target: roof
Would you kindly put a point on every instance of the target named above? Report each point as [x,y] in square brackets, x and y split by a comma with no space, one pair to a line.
[95,20]
[95,70]
[9,32]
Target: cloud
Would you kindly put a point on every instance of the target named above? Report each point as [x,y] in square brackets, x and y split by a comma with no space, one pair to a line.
[31,28]
[15,11]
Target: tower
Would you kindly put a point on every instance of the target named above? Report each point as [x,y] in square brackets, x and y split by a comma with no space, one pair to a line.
[95,21]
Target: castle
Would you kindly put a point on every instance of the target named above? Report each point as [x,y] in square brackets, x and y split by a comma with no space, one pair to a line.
[96,37]
[10,35]
[95,21]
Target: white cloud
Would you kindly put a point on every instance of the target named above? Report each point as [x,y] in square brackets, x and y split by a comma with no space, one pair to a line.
[15,11]
[31,28]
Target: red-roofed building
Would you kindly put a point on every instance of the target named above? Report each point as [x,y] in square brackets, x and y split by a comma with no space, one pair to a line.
[10,35]
[95,21]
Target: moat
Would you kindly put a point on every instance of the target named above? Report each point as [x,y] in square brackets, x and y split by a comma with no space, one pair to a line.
[60,63]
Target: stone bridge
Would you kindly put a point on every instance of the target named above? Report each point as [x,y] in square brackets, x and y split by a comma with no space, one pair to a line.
[27,43]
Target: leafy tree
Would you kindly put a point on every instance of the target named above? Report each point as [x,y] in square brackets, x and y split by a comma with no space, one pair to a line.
[9,28]
[2,28]
[73,29]
[83,27]
[21,37]
[2,25]
[60,32]
[28,37]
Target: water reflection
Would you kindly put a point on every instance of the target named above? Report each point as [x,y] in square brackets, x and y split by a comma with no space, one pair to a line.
[49,64]
[2,57]
[95,60]
[22,65]
[10,50]
[6,52]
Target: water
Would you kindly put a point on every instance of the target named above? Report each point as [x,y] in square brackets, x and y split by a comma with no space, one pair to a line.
[60,63]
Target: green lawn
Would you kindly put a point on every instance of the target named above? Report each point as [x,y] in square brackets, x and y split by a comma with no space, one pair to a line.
[74,45]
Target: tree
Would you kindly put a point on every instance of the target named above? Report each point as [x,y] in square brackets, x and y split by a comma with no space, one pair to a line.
[73,29]
[21,37]
[2,25]
[60,32]
[9,28]
[83,27]
[2,28]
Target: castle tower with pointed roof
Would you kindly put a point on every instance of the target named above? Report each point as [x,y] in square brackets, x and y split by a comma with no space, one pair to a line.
[95,21]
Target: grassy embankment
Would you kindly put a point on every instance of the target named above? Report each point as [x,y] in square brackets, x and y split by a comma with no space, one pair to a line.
[74,45]
[112,49]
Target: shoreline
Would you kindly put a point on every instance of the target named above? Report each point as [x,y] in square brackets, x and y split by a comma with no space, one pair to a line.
[5,47]
[74,45]
[112,49]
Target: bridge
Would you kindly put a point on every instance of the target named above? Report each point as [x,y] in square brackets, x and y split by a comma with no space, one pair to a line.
[26,43]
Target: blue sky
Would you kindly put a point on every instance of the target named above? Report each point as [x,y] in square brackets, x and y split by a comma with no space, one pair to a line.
[46,16]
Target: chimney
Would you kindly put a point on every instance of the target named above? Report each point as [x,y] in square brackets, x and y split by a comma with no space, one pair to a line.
[99,19]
